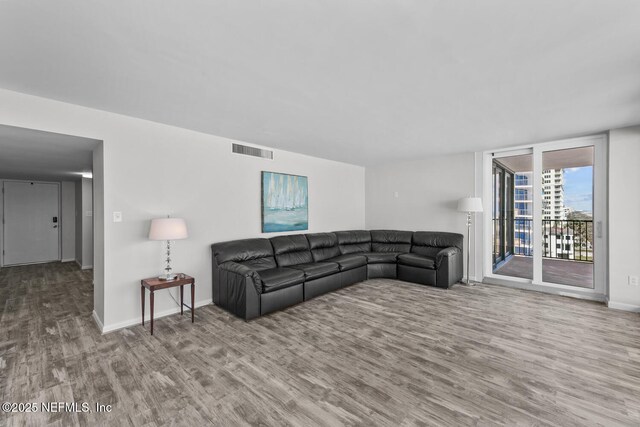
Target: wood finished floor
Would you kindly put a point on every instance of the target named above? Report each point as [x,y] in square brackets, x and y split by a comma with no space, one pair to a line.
[378,353]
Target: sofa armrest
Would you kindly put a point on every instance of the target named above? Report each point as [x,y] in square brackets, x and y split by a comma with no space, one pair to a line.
[239,289]
[448,267]
[243,270]
[445,253]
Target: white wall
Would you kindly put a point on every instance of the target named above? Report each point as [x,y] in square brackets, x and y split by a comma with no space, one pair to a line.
[87,222]
[68,219]
[84,223]
[624,217]
[98,235]
[427,194]
[151,170]
[78,222]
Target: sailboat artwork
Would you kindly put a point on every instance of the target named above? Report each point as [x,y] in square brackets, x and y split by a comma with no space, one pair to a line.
[285,202]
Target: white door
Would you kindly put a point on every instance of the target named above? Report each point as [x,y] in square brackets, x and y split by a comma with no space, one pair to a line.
[31,222]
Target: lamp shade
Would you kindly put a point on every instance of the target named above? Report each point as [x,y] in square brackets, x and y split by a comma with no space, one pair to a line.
[168,229]
[470,204]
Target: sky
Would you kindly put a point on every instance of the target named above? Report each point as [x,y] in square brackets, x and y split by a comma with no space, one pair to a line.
[578,188]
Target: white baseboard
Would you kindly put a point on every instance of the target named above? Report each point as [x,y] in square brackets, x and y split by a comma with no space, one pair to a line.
[82,267]
[136,321]
[98,322]
[67,260]
[623,306]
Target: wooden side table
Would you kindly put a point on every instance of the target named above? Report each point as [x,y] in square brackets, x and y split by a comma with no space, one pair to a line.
[155,284]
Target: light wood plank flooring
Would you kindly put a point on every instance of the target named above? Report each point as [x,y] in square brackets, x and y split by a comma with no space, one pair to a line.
[382,352]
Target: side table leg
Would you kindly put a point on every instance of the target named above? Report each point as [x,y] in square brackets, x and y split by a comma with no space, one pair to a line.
[193,299]
[151,307]
[142,299]
[181,300]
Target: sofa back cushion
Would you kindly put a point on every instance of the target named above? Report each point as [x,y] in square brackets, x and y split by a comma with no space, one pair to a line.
[353,241]
[390,241]
[429,243]
[291,250]
[253,253]
[323,246]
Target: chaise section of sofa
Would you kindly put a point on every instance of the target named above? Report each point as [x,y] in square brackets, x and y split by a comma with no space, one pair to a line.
[254,277]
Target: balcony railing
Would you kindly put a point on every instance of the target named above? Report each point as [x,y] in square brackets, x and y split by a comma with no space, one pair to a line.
[570,239]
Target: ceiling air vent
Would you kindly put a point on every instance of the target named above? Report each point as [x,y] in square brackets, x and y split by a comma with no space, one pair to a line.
[252,151]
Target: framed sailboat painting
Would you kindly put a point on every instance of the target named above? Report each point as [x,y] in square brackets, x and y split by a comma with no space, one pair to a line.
[285,202]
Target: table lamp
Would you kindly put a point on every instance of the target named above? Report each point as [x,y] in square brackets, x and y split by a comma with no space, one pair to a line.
[168,229]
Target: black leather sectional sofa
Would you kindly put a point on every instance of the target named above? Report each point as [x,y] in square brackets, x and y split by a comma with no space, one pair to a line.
[253,277]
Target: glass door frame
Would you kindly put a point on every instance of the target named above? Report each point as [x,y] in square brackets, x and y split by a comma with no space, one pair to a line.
[504,188]
[600,255]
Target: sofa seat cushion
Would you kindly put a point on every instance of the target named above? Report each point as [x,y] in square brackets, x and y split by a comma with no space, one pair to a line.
[415,260]
[317,270]
[280,278]
[382,257]
[349,261]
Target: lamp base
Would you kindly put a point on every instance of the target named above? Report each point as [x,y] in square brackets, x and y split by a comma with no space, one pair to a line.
[169,276]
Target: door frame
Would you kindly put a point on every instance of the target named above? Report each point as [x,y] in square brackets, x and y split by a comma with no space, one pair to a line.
[506,238]
[2,233]
[600,217]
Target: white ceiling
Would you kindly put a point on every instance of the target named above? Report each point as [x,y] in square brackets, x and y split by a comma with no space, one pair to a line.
[362,81]
[31,154]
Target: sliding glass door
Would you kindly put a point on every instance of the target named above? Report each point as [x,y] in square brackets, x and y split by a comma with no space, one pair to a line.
[512,210]
[567,216]
[548,215]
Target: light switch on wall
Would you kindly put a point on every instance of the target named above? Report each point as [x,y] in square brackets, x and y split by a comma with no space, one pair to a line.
[117,217]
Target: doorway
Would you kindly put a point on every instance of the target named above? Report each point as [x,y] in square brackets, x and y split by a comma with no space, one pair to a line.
[547,228]
[512,214]
[31,224]
[47,205]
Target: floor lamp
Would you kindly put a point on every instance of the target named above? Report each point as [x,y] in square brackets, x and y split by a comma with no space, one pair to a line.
[469,205]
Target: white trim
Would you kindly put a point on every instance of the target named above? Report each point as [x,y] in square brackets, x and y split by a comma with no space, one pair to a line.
[536,226]
[478,225]
[623,306]
[98,321]
[136,321]
[82,267]
[561,290]
[67,260]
